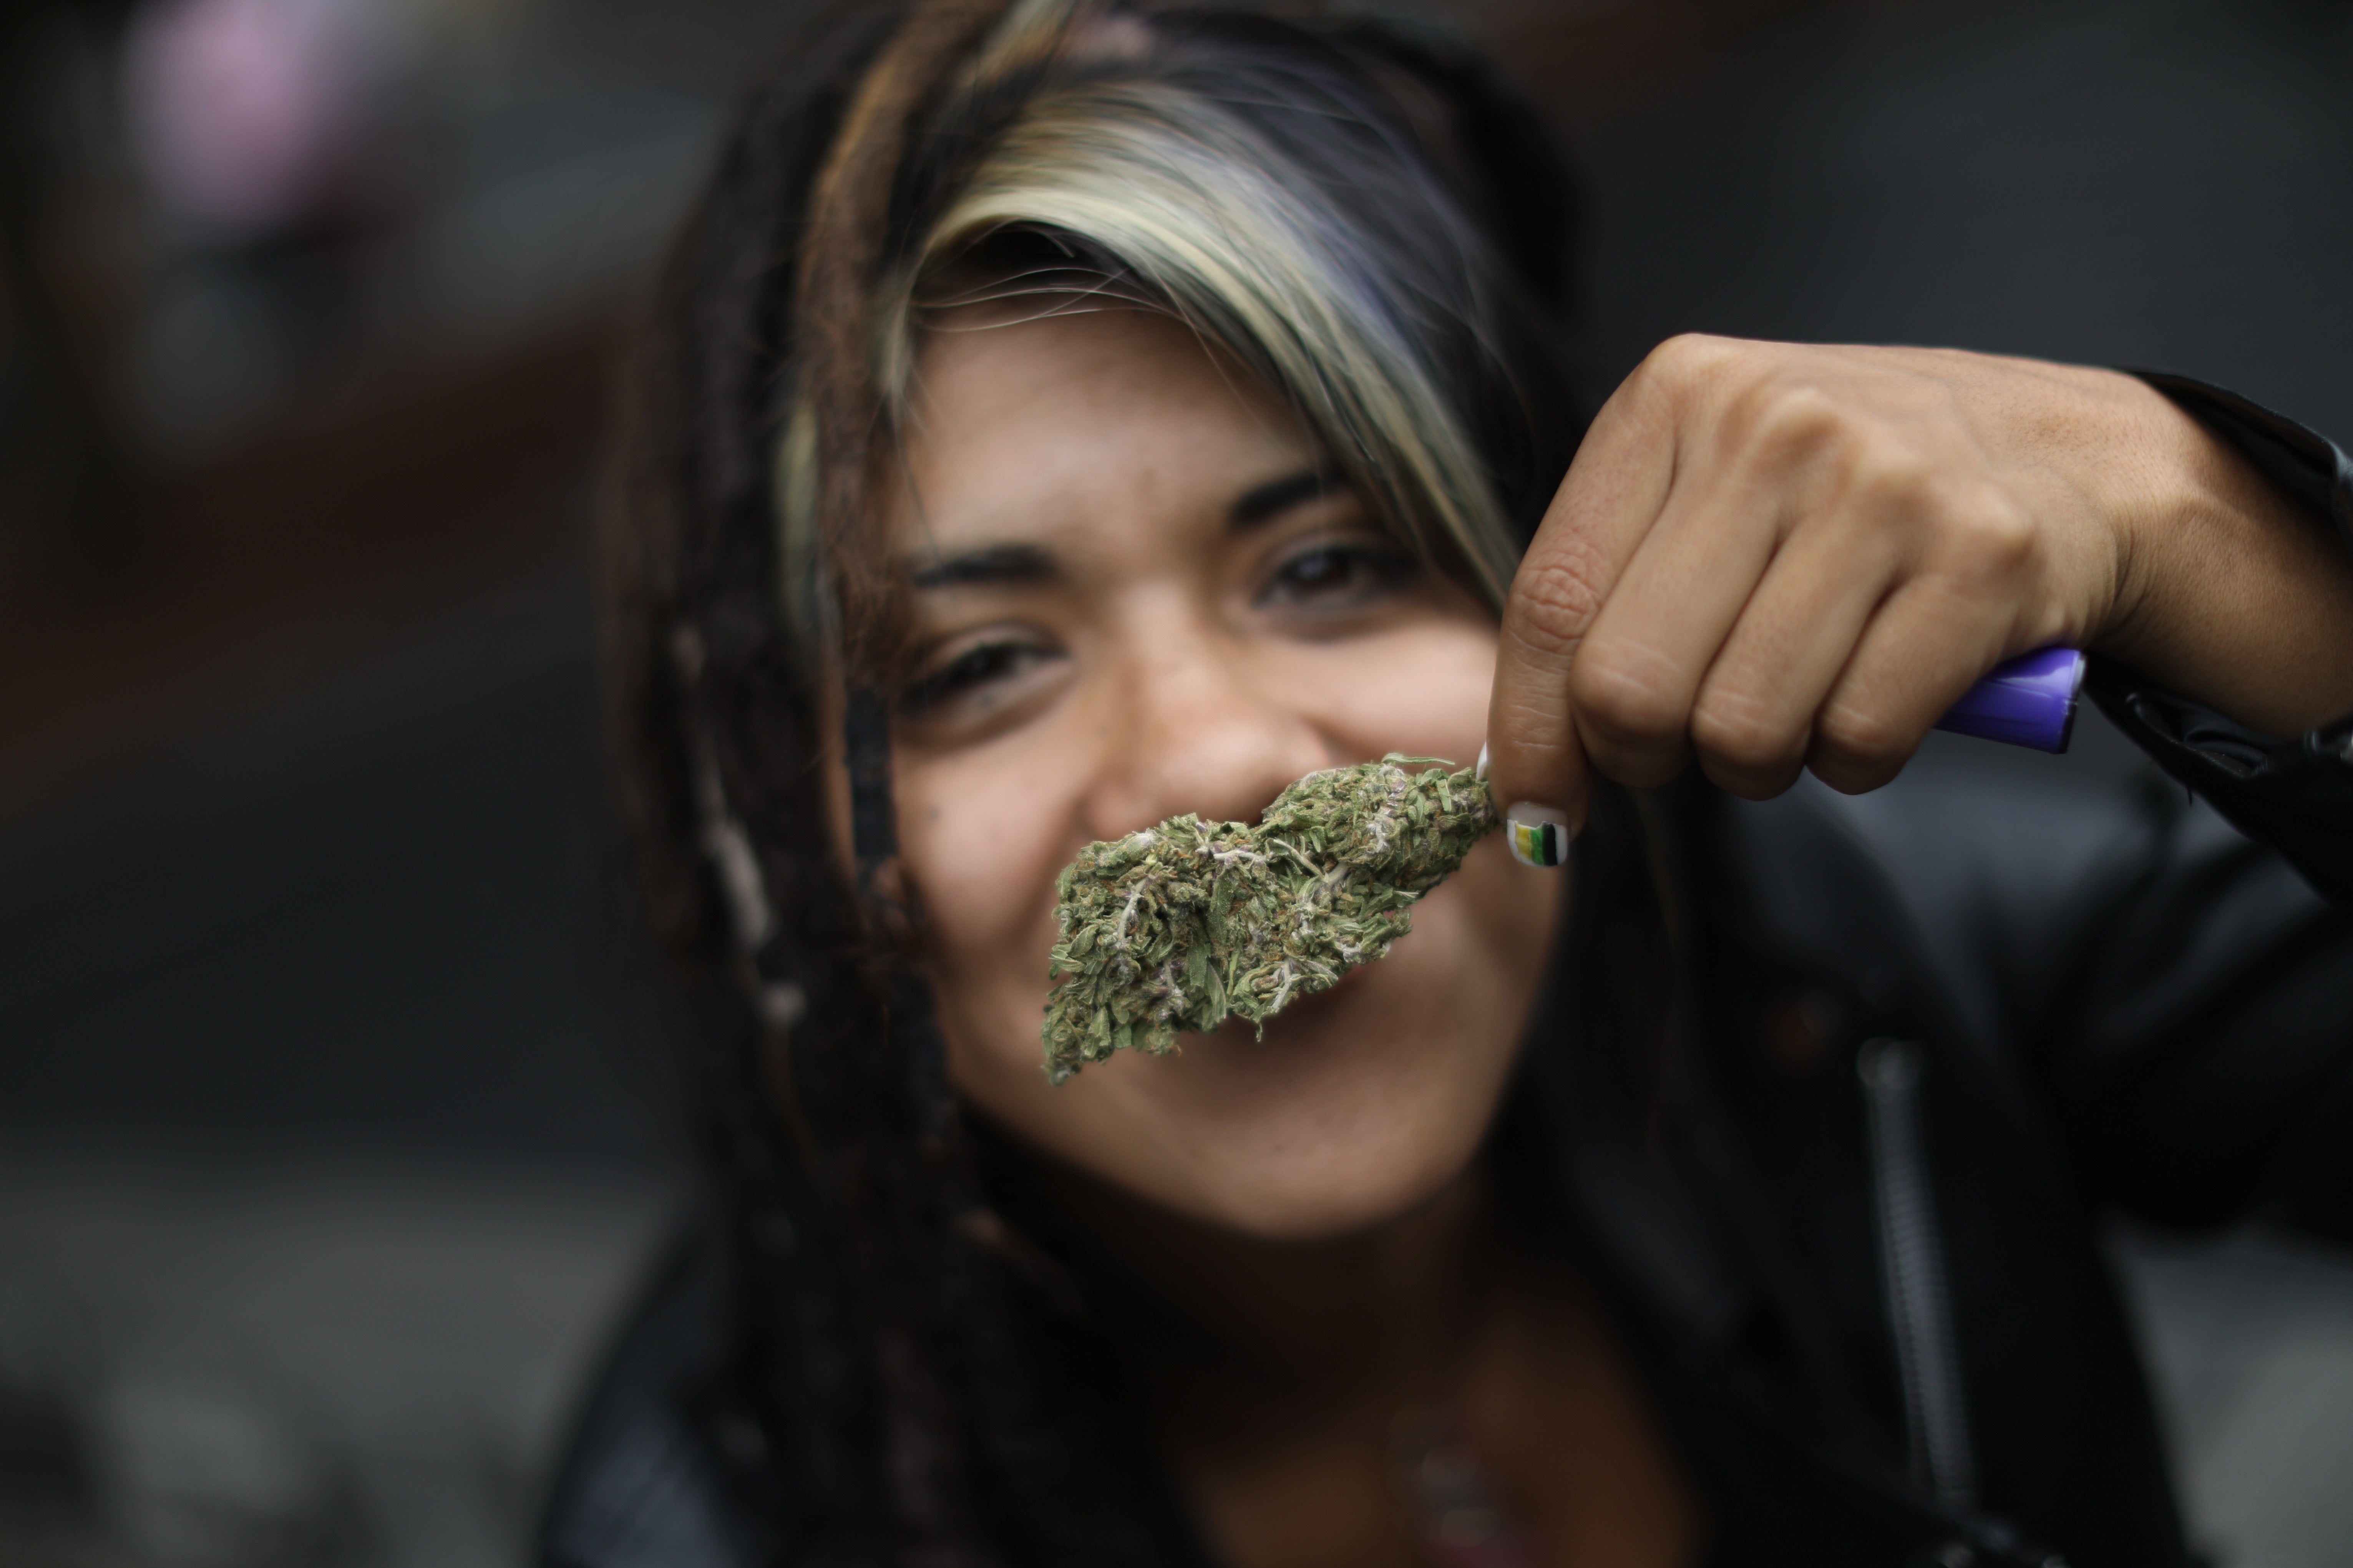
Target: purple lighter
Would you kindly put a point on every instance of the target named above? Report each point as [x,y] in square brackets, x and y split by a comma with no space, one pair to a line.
[2029,701]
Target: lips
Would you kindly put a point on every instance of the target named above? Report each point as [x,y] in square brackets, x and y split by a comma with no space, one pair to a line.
[1309,1012]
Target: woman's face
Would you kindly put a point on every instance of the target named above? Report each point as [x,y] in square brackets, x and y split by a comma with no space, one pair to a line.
[1136,598]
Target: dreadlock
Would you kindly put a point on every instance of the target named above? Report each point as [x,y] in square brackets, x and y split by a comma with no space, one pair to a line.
[933,1391]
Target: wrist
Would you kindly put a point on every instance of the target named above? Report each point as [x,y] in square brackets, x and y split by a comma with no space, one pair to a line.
[2162,488]
[2224,590]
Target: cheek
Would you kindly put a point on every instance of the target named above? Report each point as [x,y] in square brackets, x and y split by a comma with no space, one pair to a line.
[984,835]
[1422,690]
[979,856]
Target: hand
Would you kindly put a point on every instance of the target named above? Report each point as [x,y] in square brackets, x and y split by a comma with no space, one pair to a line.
[1778,556]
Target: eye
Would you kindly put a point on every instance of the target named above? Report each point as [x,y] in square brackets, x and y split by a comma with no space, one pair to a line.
[976,673]
[1338,575]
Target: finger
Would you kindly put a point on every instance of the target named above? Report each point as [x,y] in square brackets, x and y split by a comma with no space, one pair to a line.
[1686,589]
[1752,723]
[1613,491]
[1957,612]
[1912,661]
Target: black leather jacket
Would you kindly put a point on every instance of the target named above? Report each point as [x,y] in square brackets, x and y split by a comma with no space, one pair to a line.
[2039,1008]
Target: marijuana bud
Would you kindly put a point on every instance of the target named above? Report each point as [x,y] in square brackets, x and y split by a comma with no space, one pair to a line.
[1184,925]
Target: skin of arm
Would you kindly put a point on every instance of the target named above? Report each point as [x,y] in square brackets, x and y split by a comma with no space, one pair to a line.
[1774,557]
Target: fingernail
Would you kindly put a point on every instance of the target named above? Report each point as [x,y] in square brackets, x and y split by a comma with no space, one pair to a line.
[1539,835]
[1481,771]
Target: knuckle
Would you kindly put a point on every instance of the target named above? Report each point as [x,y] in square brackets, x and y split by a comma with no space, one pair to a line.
[1889,475]
[1788,425]
[1860,738]
[1685,361]
[1556,596]
[1626,693]
[1743,733]
[1995,539]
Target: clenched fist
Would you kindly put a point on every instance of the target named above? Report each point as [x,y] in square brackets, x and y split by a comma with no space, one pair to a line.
[1777,556]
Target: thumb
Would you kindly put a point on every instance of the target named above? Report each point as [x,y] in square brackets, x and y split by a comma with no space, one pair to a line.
[1536,765]
[1539,775]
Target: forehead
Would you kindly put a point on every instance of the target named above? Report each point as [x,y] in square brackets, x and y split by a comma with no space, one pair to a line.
[1063,423]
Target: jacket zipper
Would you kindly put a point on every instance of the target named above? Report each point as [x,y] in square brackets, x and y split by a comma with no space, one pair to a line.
[1912,1273]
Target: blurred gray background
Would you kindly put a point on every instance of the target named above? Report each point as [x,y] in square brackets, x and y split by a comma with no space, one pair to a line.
[334,1124]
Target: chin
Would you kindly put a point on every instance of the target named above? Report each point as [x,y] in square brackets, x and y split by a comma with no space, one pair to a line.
[1359,1106]
[1310,1201]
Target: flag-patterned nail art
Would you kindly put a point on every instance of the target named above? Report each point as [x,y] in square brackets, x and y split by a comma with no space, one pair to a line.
[1539,835]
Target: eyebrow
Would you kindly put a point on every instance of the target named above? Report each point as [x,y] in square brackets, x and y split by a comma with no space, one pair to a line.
[992,565]
[1272,499]
[1020,565]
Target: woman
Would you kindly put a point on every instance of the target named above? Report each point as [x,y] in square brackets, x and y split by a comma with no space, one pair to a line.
[1067,415]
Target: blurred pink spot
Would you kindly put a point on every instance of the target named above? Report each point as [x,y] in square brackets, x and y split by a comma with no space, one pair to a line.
[242,111]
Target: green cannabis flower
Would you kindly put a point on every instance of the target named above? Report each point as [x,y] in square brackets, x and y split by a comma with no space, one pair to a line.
[1184,925]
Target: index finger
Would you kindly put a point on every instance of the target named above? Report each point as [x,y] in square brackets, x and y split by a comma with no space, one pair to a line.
[1615,489]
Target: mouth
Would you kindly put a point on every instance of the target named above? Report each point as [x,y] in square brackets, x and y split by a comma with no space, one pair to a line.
[1307,1012]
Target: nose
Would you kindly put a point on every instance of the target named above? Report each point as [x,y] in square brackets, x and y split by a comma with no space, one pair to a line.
[1193,723]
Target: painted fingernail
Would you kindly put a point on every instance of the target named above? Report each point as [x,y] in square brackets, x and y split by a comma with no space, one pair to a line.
[1539,835]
